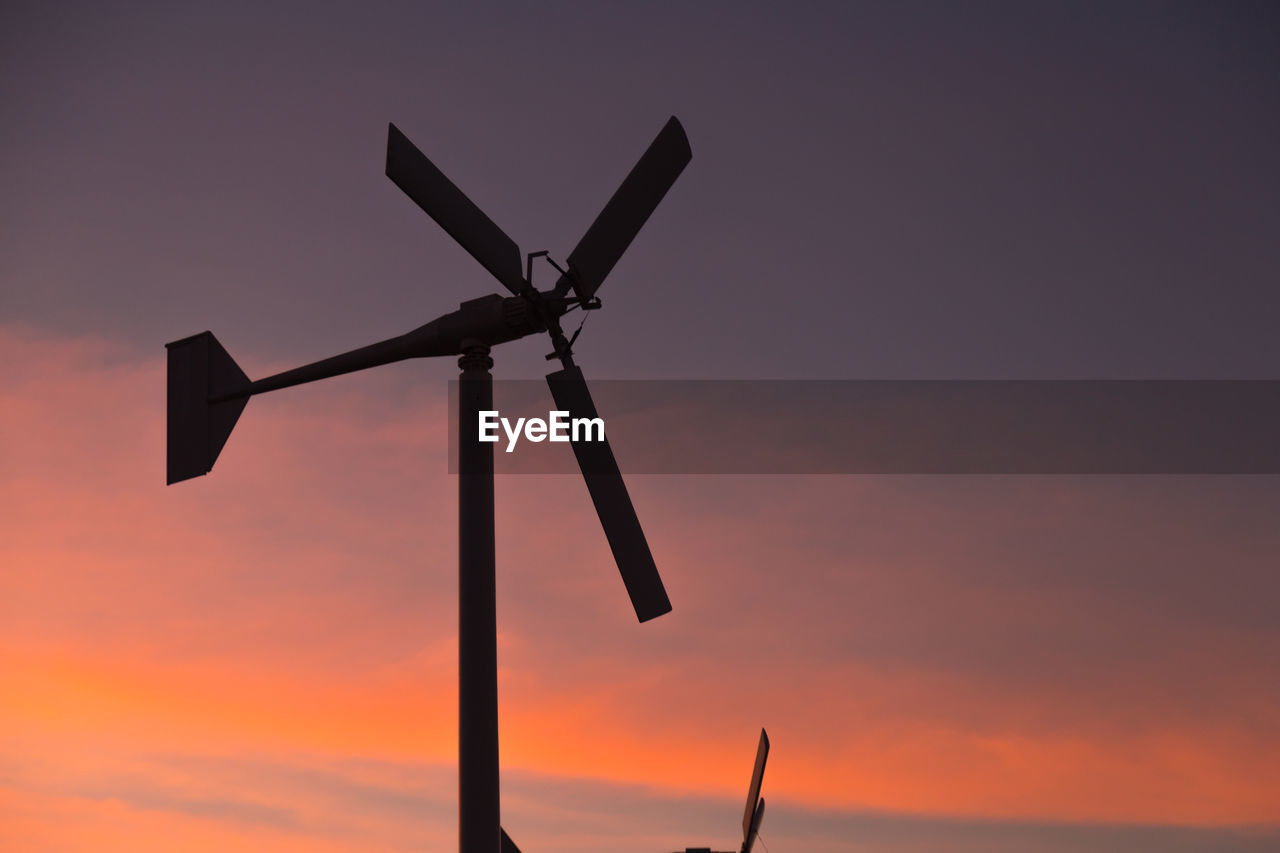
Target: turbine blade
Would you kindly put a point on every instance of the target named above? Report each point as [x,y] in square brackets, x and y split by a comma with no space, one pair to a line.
[419,178]
[628,210]
[613,504]
[508,846]
[754,831]
[753,793]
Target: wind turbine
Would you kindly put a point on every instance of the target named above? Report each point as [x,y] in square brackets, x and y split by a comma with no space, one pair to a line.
[754,813]
[751,818]
[207,391]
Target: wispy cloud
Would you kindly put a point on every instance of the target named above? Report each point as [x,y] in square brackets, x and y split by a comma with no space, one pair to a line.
[1060,662]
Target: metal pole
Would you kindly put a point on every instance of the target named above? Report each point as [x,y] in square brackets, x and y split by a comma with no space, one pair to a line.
[478,817]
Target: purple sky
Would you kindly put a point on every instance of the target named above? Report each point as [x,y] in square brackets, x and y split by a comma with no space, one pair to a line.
[918,191]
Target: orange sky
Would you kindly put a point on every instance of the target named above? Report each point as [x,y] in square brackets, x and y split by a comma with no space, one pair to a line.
[265,658]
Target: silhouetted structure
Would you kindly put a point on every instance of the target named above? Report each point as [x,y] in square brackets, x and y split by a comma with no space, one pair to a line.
[751,818]
[754,812]
[207,392]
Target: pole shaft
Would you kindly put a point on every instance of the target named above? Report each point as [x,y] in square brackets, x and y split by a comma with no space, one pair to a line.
[478,815]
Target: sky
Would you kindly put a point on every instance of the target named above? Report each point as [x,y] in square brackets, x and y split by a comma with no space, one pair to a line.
[266,658]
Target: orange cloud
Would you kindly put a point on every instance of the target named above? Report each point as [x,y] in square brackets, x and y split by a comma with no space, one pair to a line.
[1014,649]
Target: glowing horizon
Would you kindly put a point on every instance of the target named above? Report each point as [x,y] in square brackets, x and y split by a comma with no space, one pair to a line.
[122,641]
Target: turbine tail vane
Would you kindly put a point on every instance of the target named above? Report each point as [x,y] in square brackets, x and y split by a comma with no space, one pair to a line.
[197,427]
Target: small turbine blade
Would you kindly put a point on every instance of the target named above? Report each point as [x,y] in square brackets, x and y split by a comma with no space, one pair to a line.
[613,504]
[754,831]
[419,178]
[753,793]
[628,210]
[508,846]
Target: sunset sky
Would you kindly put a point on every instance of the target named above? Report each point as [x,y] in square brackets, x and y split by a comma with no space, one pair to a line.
[265,659]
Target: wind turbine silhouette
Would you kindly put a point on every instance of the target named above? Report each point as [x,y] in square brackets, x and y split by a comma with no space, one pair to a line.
[751,818]
[754,813]
[207,391]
